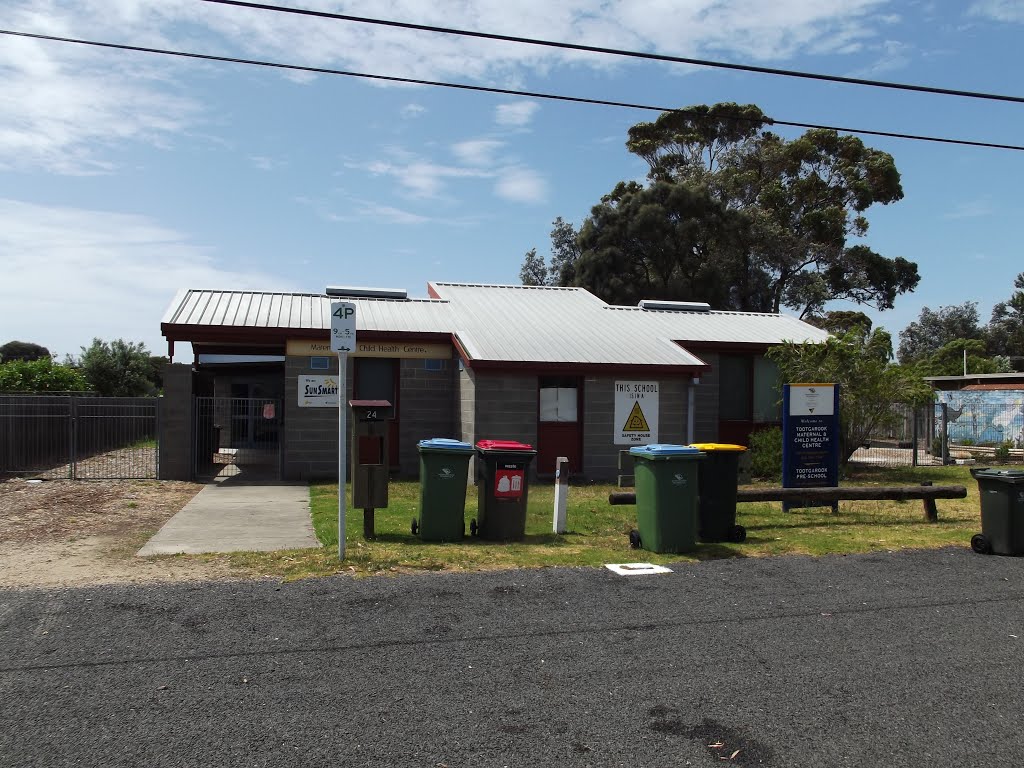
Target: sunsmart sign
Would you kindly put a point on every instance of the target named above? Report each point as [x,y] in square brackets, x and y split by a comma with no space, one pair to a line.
[810,435]
[318,391]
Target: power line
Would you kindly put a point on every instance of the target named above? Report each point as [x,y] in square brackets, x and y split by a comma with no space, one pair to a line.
[486,89]
[626,53]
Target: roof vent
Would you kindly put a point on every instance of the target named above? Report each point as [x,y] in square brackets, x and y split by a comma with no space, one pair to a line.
[367,293]
[675,306]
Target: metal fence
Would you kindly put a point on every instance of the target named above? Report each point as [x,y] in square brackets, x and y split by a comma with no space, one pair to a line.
[972,428]
[79,438]
[965,430]
[903,440]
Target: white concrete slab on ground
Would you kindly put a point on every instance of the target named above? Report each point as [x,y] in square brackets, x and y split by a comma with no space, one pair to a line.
[238,517]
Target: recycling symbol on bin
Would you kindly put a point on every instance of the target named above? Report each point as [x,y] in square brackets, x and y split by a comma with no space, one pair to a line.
[446,473]
[678,479]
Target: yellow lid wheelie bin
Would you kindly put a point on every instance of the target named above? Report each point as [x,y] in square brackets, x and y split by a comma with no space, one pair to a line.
[718,477]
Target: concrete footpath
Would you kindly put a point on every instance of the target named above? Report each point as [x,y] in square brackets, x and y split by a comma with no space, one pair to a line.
[228,516]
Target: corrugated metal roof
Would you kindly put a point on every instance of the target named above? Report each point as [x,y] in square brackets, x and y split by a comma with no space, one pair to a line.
[723,327]
[551,325]
[504,323]
[305,311]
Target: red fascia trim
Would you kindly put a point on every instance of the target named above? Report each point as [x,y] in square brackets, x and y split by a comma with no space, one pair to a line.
[249,335]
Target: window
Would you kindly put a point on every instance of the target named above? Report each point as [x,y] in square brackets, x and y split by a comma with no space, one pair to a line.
[434,365]
[320,363]
[767,391]
[559,399]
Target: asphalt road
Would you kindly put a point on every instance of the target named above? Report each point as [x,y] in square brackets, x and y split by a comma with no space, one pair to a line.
[890,659]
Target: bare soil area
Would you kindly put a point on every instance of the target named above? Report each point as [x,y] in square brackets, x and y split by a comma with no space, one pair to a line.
[72,533]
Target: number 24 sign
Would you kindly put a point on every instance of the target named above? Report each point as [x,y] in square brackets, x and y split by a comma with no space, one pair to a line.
[343,326]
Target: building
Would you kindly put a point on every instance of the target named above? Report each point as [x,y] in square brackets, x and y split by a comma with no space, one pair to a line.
[554,367]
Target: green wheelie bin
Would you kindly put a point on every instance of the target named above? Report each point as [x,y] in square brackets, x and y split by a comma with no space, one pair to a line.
[502,489]
[1002,511]
[718,477]
[666,497]
[444,473]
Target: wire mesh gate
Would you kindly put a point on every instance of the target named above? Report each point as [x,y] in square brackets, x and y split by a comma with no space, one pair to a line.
[79,438]
[237,436]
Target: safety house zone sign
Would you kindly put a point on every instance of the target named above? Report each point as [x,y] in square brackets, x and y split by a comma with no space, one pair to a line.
[636,412]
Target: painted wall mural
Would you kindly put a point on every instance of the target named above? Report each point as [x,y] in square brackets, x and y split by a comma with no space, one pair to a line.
[985,417]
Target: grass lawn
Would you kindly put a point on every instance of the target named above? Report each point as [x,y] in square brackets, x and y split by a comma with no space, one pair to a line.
[598,532]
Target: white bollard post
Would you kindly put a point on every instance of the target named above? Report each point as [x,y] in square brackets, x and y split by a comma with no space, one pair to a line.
[561,492]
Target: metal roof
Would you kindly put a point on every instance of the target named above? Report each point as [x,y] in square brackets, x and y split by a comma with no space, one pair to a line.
[723,327]
[304,311]
[503,323]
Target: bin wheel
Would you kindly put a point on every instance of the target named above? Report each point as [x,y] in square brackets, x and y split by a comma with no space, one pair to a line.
[981,544]
[737,534]
[474,529]
[634,539]
[415,527]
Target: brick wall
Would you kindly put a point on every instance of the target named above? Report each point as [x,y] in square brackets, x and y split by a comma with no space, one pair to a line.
[600,453]
[311,434]
[427,399]
[176,424]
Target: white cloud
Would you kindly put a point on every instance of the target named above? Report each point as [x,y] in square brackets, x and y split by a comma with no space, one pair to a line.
[971,209]
[64,108]
[479,152]
[518,113]
[1000,10]
[71,274]
[417,177]
[410,111]
[521,185]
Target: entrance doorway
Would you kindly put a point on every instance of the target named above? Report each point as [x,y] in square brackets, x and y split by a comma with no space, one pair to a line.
[558,425]
[237,436]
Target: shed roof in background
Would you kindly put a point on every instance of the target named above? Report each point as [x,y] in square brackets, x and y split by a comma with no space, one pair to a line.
[497,324]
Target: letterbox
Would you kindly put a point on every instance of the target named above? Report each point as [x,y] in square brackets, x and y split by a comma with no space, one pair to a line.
[370,422]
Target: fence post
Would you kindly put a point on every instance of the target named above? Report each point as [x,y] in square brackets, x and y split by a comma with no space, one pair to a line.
[72,440]
[944,427]
[914,435]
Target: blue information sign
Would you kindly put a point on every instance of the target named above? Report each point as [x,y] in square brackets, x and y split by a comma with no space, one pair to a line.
[810,436]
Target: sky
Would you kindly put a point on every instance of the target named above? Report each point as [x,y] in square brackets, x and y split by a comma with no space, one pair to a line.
[126,176]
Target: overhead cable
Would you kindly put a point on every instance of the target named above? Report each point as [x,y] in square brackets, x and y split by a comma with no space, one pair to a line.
[486,89]
[625,53]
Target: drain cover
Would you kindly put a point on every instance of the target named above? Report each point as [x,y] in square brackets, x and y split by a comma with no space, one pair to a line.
[636,569]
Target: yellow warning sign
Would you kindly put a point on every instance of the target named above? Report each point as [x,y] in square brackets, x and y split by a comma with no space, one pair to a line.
[636,422]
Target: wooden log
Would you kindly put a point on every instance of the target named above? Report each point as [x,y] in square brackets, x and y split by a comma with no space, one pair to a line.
[832,494]
[853,493]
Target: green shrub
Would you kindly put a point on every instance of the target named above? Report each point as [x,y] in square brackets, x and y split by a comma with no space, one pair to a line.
[1002,453]
[766,454]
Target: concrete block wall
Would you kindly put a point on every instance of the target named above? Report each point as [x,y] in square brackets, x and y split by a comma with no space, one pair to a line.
[311,434]
[505,408]
[176,423]
[600,453]
[427,402]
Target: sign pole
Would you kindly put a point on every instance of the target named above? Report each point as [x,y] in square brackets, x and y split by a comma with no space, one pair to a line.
[342,376]
[343,341]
